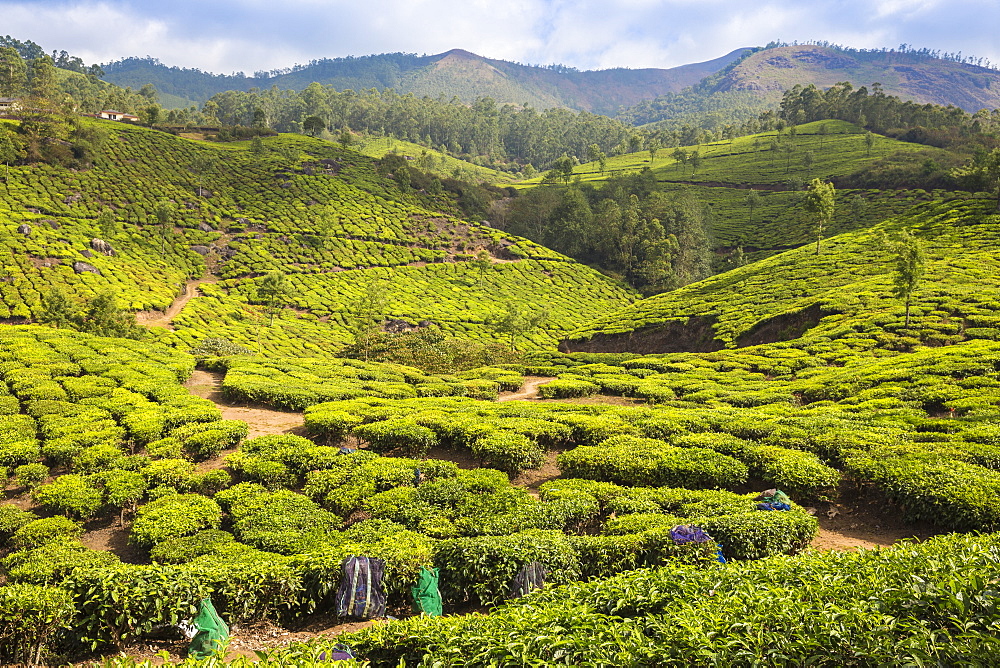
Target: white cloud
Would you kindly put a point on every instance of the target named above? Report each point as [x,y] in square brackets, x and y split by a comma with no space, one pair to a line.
[230,35]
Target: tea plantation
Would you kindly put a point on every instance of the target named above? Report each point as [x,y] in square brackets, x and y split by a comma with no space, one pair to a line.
[805,371]
[322,215]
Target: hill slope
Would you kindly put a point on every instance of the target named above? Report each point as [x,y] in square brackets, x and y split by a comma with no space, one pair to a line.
[841,295]
[319,213]
[454,73]
[753,84]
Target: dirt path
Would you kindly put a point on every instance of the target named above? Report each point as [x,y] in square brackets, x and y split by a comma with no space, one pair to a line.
[158,319]
[528,391]
[860,521]
[261,421]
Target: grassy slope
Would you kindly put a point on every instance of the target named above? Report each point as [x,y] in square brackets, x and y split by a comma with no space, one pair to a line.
[730,168]
[851,282]
[264,211]
[441,164]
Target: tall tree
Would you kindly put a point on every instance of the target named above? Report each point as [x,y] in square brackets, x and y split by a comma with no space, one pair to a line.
[653,146]
[819,199]
[753,200]
[365,314]
[107,226]
[908,261]
[514,322]
[313,125]
[43,78]
[164,213]
[10,149]
[695,160]
[869,142]
[274,291]
[13,73]
[59,310]
[680,157]
[982,173]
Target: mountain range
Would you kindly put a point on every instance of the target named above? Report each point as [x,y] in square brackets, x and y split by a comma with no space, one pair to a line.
[754,76]
[455,73]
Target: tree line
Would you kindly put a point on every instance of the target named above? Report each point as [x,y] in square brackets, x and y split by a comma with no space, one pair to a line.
[505,136]
[654,240]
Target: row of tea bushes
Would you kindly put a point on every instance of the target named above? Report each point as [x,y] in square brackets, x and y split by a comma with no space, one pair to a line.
[295,384]
[638,446]
[915,603]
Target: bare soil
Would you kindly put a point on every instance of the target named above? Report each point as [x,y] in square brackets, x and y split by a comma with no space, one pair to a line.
[528,391]
[158,319]
[245,641]
[863,519]
[261,420]
[532,479]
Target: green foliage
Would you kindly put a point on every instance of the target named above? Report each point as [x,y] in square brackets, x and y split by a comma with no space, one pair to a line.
[174,516]
[185,548]
[38,533]
[29,616]
[508,451]
[70,494]
[934,601]
[480,570]
[630,460]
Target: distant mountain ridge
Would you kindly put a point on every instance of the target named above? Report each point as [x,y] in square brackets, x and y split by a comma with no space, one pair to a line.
[907,75]
[455,73]
[755,83]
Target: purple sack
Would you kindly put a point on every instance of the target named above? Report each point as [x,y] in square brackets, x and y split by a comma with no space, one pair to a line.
[688,533]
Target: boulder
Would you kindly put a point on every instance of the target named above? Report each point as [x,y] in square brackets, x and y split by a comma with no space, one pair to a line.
[85,267]
[102,246]
[24,229]
[86,253]
[205,227]
[201,250]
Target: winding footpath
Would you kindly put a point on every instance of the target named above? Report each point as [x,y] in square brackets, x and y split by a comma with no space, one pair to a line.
[528,391]
[158,319]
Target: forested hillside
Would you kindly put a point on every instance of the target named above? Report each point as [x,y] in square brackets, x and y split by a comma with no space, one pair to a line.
[454,74]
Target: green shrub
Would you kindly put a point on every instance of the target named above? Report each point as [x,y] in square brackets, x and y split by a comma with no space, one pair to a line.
[39,532]
[629,460]
[174,473]
[508,451]
[29,616]
[13,518]
[605,556]
[402,434]
[70,494]
[207,439]
[185,548]
[174,516]
[31,475]
[480,570]
[567,388]
[283,522]
[52,561]
[330,425]
[797,473]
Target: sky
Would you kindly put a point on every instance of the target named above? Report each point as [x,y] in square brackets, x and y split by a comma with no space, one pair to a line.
[226,36]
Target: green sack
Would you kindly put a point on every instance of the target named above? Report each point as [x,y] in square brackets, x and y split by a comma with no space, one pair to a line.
[212,635]
[426,595]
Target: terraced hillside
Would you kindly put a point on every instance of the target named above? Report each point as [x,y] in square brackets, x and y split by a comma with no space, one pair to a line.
[321,214]
[828,299]
[776,164]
